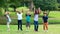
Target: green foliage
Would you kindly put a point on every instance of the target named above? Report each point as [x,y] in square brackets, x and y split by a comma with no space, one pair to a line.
[46,4]
[58,1]
[43,4]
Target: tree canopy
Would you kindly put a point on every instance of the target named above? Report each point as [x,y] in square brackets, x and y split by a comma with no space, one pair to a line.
[43,4]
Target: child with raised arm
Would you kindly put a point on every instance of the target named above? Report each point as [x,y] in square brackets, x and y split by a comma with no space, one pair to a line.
[45,22]
[28,16]
[8,20]
[36,14]
[19,15]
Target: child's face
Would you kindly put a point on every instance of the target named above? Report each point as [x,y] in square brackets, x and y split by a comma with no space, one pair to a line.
[19,12]
[44,14]
[28,12]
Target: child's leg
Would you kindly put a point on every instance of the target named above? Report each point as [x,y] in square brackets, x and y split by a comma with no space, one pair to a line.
[34,25]
[37,25]
[8,26]
[46,26]
[27,25]
[18,24]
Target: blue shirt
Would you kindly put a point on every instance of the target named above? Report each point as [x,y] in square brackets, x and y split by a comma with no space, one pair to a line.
[28,18]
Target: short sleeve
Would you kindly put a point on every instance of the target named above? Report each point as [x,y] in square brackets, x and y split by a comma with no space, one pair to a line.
[26,14]
[30,15]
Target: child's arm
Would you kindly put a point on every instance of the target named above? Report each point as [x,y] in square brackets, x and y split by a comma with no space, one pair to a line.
[42,19]
[17,12]
[47,17]
[39,10]
[22,10]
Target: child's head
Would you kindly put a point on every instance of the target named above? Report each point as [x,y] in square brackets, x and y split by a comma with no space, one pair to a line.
[45,13]
[6,12]
[19,12]
[28,12]
[36,11]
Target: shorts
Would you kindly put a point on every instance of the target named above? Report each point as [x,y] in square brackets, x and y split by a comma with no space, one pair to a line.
[8,20]
[28,24]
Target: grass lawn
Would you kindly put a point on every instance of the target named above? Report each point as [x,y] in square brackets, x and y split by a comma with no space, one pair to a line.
[53,29]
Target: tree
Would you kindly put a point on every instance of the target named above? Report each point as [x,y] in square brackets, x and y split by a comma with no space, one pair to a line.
[58,1]
[46,4]
[14,4]
[4,4]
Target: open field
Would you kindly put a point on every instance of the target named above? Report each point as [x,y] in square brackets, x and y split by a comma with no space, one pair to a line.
[53,29]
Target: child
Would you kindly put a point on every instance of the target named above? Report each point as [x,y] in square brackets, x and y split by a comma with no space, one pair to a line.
[45,20]
[36,13]
[19,14]
[8,20]
[28,15]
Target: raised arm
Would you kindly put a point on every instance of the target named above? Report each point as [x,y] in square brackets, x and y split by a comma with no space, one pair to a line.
[39,10]
[22,10]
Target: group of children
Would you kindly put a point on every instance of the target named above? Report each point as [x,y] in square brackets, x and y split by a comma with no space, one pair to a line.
[28,16]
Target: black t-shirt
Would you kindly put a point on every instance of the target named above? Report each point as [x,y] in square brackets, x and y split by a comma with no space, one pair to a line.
[45,19]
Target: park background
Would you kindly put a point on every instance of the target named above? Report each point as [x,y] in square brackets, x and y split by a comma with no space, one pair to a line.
[51,6]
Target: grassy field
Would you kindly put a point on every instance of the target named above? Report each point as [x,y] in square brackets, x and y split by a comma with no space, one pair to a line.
[53,29]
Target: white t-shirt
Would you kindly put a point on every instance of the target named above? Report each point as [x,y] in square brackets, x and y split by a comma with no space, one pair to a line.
[19,16]
[9,19]
[36,17]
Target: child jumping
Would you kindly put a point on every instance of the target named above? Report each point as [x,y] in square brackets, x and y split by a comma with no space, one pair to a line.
[45,20]
[8,19]
[19,15]
[28,16]
[36,14]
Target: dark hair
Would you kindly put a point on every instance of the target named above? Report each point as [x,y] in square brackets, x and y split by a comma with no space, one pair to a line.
[18,12]
[44,13]
[36,11]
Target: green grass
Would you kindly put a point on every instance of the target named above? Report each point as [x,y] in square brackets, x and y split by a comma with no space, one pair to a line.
[53,29]
[54,14]
[14,21]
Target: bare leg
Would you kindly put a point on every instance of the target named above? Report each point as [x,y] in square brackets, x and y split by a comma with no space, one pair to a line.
[8,27]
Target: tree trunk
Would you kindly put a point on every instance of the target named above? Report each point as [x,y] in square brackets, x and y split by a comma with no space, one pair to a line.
[5,9]
[48,13]
[31,5]
[14,8]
